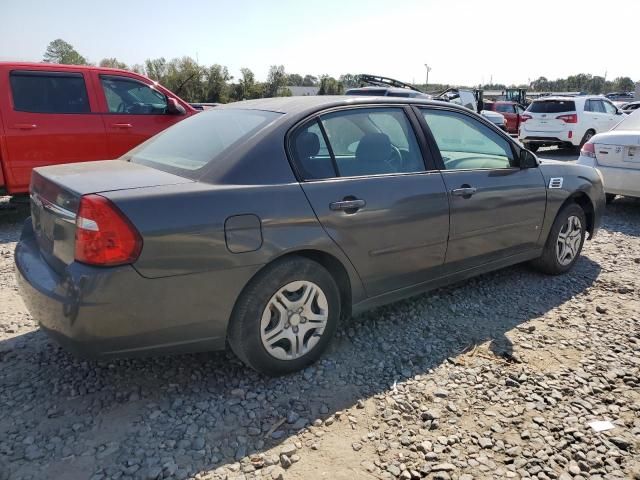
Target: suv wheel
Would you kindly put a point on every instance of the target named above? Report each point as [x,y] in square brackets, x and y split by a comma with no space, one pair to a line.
[286,316]
[564,242]
[586,138]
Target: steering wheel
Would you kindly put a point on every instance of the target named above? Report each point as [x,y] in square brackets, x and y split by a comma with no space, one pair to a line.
[395,159]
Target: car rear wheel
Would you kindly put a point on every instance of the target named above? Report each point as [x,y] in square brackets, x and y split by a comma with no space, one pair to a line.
[564,242]
[286,316]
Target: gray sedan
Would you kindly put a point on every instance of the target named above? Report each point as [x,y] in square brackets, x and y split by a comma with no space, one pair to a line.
[263,224]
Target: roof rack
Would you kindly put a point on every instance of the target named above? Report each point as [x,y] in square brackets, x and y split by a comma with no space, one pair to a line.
[378,81]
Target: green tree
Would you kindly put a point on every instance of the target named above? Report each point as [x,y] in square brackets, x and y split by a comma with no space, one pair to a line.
[216,87]
[348,80]
[185,78]
[309,81]
[247,87]
[623,84]
[156,69]
[330,86]
[294,80]
[113,63]
[276,80]
[59,51]
[137,68]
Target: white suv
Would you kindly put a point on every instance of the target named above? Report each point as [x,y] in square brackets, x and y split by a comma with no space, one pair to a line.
[569,121]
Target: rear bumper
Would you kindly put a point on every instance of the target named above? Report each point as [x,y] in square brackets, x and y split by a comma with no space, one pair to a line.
[115,312]
[618,181]
[559,137]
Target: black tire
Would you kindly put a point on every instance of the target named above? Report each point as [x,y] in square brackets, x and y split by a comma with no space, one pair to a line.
[610,197]
[244,333]
[548,262]
[587,136]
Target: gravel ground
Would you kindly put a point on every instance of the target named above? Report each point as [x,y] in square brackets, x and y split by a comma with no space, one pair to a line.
[497,377]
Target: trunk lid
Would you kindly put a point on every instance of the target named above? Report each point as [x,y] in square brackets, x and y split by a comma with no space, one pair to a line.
[56,192]
[544,115]
[621,150]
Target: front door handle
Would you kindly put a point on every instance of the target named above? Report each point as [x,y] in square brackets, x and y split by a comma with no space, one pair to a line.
[122,125]
[464,191]
[348,205]
[25,126]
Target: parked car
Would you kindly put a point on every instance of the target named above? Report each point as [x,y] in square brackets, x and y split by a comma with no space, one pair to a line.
[264,223]
[511,111]
[616,154]
[566,121]
[52,114]
[630,107]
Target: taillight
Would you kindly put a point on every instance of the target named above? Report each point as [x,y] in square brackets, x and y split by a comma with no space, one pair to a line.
[570,118]
[524,118]
[104,236]
[588,150]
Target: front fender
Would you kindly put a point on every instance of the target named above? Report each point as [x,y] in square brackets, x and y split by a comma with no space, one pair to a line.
[571,182]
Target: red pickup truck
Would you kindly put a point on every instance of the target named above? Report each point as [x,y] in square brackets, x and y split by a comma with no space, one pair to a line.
[512,112]
[51,113]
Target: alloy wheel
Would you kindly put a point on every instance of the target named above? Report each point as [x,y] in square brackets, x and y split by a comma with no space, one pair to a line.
[569,240]
[294,320]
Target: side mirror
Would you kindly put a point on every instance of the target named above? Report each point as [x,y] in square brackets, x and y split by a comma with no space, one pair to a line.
[528,159]
[174,108]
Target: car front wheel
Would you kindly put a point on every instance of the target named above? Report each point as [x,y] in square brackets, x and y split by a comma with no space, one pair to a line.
[564,242]
[286,316]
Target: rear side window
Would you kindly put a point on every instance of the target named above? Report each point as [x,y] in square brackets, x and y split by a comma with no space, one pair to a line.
[368,92]
[552,106]
[361,142]
[504,108]
[49,92]
[200,140]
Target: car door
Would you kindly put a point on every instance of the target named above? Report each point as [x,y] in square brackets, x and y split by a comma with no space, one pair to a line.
[362,170]
[496,207]
[599,114]
[132,111]
[612,117]
[49,119]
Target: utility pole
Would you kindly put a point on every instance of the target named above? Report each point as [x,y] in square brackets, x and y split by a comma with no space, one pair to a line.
[428,70]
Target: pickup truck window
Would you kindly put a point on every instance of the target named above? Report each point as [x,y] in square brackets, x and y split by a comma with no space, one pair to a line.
[129,96]
[49,92]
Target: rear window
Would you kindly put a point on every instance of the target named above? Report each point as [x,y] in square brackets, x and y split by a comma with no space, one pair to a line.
[200,140]
[49,92]
[552,106]
[631,122]
[504,108]
[368,93]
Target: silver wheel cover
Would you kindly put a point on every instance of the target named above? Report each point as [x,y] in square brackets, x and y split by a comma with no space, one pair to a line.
[294,320]
[569,239]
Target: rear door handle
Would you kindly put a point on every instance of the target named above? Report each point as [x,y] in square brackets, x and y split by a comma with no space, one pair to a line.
[349,206]
[25,126]
[122,125]
[463,191]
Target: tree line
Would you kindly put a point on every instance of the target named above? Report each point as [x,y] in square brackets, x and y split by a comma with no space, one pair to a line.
[199,83]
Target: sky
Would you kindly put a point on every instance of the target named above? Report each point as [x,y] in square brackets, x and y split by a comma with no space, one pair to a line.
[464,42]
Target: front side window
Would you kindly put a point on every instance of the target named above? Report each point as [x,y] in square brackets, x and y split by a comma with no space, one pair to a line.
[362,142]
[610,108]
[597,106]
[465,143]
[49,92]
[129,96]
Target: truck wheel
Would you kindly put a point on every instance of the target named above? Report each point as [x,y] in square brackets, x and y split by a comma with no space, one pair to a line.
[564,243]
[286,316]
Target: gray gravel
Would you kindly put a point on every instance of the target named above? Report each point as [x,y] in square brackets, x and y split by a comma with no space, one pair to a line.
[497,377]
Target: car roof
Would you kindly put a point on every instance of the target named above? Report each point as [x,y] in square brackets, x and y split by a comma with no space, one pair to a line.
[309,103]
[62,67]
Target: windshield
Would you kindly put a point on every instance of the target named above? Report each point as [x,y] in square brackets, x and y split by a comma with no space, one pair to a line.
[197,141]
[632,122]
[552,106]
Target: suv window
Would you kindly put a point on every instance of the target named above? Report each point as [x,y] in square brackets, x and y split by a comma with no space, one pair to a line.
[609,107]
[49,92]
[465,143]
[595,106]
[552,106]
[126,95]
[364,141]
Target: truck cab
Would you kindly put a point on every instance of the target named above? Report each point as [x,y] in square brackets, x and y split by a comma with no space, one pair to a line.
[54,114]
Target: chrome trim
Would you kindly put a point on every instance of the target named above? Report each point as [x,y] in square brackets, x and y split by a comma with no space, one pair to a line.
[58,211]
